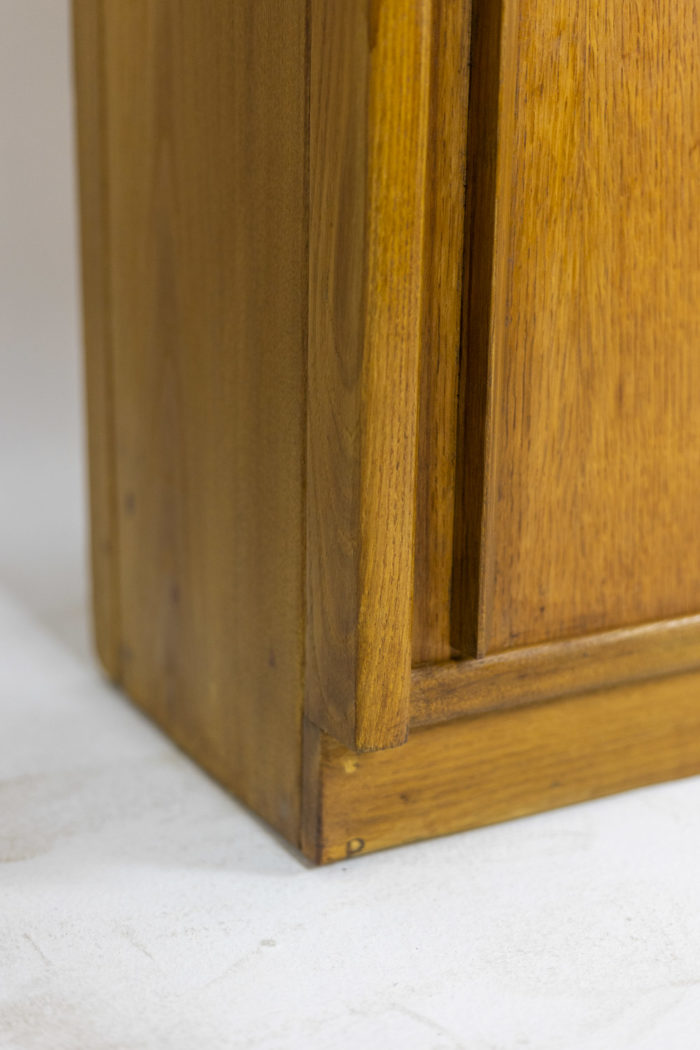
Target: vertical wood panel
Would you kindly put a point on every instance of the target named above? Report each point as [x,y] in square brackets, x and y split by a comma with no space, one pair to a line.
[440,349]
[207,168]
[589,368]
[370,68]
[88,54]
[339,61]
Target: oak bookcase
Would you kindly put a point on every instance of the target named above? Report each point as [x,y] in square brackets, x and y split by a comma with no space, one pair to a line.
[392,322]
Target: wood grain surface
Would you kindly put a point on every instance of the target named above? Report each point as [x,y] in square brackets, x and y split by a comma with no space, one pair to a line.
[592,367]
[369,102]
[308,491]
[206,156]
[441,330]
[489,128]
[477,771]
[554,669]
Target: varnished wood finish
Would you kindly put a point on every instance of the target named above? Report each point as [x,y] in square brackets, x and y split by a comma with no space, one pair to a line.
[489,133]
[337,197]
[555,669]
[592,430]
[295,523]
[206,131]
[370,79]
[478,771]
[88,53]
[442,284]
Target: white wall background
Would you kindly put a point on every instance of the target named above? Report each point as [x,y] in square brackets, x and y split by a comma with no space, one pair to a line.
[140,907]
[41,424]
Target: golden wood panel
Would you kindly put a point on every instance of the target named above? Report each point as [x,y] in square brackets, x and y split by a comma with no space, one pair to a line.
[554,669]
[482,770]
[369,91]
[590,358]
[206,167]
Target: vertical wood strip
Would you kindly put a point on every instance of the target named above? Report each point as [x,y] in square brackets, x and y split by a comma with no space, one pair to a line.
[337,189]
[395,225]
[370,70]
[88,54]
[310,835]
[442,303]
[489,137]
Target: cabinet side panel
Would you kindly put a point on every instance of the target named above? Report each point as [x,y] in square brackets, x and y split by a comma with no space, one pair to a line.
[207,168]
[88,57]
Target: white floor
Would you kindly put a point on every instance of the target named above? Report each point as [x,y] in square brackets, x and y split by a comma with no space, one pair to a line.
[142,908]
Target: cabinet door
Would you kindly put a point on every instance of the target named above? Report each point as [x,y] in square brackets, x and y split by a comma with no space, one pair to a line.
[555,487]
[577,485]
[583,364]
[554,492]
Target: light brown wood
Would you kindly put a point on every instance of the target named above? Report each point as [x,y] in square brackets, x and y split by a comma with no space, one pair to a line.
[88,54]
[592,432]
[206,131]
[554,669]
[308,489]
[478,771]
[369,92]
[441,303]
